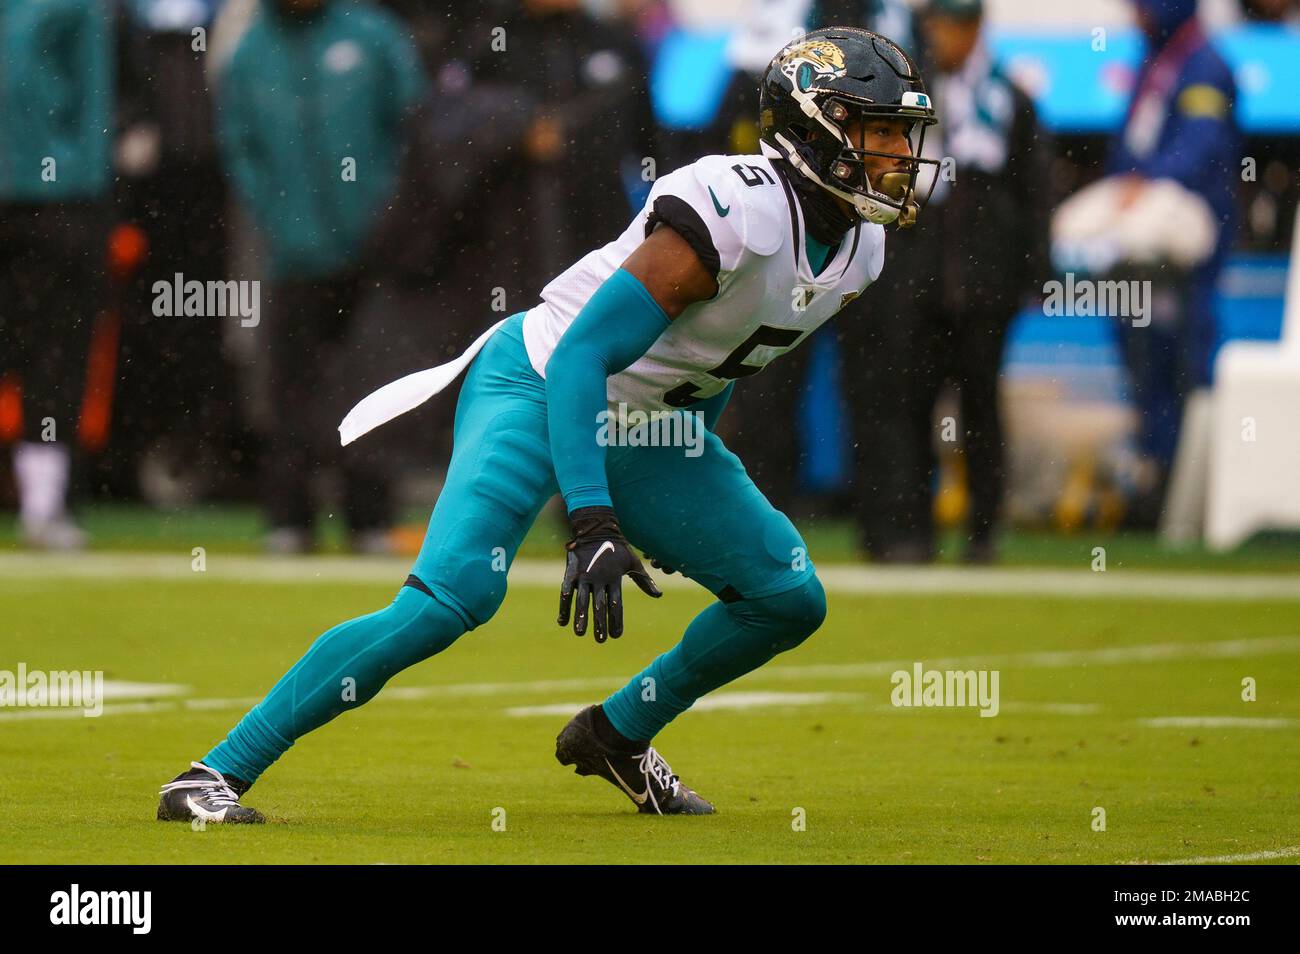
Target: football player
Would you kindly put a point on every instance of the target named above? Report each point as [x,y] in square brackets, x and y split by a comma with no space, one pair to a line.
[732,261]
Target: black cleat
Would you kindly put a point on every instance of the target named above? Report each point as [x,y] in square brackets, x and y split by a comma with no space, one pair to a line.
[206,794]
[642,775]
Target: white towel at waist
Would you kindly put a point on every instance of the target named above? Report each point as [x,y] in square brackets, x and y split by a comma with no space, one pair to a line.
[405,394]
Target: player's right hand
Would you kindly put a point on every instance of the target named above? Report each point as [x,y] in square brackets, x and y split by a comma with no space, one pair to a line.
[598,557]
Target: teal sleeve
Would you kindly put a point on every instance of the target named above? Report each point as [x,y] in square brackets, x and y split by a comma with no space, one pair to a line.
[94,70]
[618,324]
[238,141]
[711,407]
[408,73]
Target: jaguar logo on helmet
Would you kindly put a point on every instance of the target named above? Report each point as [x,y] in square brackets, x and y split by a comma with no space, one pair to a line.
[811,59]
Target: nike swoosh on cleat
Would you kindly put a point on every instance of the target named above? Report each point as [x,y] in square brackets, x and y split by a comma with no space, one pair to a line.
[605,547]
[201,812]
[639,799]
[718,205]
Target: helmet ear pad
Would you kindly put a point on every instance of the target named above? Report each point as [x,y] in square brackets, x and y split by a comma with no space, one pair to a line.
[844,171]
[808,141]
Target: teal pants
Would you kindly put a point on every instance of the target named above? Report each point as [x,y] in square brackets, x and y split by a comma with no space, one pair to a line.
[697,512]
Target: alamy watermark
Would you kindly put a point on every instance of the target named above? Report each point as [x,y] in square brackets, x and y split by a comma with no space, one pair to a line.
[133,909]
[179,298]
[626,428]
[56,688]
[947,688]
[1088,298]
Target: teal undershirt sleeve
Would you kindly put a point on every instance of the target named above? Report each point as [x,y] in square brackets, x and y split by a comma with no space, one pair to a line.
[618,324]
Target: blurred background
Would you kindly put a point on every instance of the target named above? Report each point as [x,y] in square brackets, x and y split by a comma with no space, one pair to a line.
[383,180]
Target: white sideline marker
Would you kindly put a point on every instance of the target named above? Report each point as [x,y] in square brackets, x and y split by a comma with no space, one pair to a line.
[1058,659]
[1218,722]
[1293,852]
[46,568]
[718,700]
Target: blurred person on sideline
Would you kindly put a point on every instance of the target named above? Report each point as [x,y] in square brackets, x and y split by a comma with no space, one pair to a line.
[960,278]
[491,156]
[591,122]
[172,193]
[437,241]
[310,114]
[1179,125]
[56,109]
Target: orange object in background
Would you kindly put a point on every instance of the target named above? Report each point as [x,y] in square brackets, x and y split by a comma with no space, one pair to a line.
[101,368]
[11,408]
[128,247]
[407,539]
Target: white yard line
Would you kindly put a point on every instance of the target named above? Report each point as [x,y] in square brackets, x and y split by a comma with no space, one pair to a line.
[1229,859]
[1218,722]
[119,689]
[1083,582]
[27,714]
[1159,652]
[1052,708]
[718,700]
[16,567]
[1052,659]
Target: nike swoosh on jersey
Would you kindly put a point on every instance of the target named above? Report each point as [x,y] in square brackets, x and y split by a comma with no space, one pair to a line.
[718,205]
[605,547]
[639,799]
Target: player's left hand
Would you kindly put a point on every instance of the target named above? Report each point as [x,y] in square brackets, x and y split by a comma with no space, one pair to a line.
[597,559]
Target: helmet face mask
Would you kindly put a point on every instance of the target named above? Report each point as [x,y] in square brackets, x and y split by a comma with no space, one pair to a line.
[849,171]
[823,85]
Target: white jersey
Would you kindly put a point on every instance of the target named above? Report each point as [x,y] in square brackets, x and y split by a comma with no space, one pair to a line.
[744,221]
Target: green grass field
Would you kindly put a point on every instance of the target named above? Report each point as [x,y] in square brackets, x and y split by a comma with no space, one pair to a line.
[416,775]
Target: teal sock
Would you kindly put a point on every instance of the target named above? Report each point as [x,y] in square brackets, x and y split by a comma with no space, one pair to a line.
[721,644]
[344,668]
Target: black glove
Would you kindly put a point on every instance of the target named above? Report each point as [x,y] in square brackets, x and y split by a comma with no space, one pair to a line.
[598,558]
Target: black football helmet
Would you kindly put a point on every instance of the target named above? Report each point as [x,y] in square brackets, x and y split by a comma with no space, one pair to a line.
[823,82]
